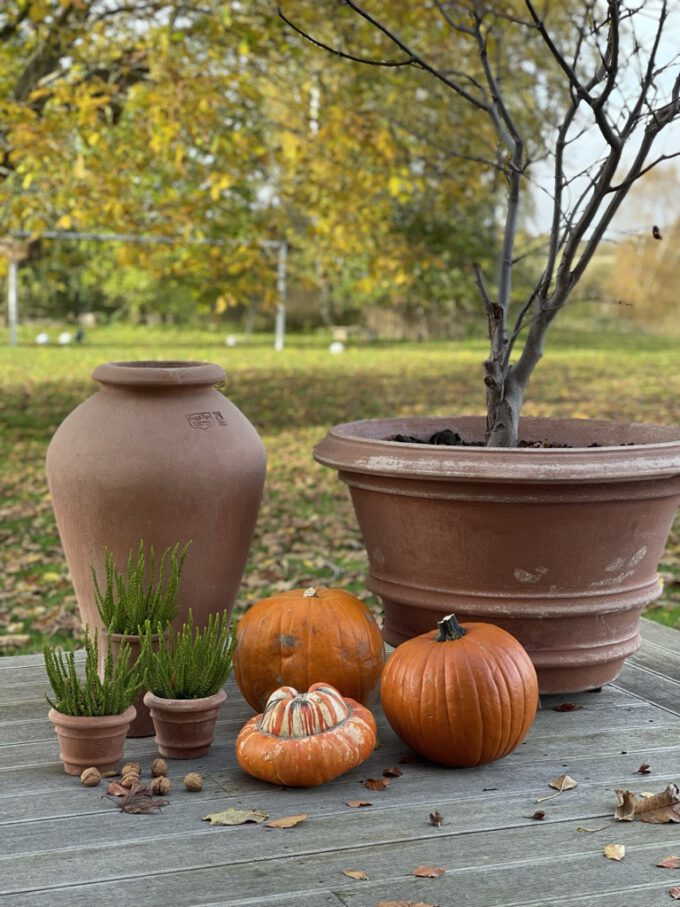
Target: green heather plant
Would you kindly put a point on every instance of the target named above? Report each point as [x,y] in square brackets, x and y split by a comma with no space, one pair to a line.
[92,695]
[129,600]
[193,663]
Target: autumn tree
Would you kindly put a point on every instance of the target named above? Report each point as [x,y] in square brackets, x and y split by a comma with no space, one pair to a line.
[620,85]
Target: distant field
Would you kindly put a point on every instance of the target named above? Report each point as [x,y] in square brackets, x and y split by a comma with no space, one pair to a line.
[306,531]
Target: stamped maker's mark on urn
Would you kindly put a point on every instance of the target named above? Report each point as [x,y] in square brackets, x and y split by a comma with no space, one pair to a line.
[206,420]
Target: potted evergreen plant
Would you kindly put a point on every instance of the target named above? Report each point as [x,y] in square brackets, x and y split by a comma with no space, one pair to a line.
[185,677]
[130,599]
[551,528]
[91,713]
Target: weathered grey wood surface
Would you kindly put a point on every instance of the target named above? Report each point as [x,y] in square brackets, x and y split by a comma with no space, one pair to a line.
[61,844]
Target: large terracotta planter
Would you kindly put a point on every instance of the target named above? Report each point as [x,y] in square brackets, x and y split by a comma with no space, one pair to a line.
[185,728]
[86,741]
[558,546]
[158,455]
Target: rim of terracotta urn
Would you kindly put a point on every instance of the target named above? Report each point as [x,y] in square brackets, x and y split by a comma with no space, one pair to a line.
[627,450]
[159,373]
[184,705]
[94,721]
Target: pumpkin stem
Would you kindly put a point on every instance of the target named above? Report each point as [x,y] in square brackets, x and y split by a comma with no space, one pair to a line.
[310,593]
[449,628]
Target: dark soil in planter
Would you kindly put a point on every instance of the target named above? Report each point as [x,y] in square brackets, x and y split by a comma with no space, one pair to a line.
[449,438]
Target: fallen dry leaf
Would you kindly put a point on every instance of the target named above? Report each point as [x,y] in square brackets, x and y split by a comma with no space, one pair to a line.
[539,815]
[436,818]
[357,804]
[675,892]
[591,830]
[567,707]
[377,783]
[644,769]
[235,817]
[286,821]
[655,810]
[427,872]
[670,862]
[394,772]
[562,783]
[614,851]
[357,874]
[137,800]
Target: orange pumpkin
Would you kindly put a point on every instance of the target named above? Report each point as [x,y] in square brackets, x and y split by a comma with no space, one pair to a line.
[306,739]
[304,636]
[462,695]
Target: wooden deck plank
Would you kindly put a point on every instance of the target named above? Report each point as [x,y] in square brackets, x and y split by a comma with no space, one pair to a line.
[57,838]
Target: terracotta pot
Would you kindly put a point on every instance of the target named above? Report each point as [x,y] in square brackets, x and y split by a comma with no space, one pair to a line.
[158,455]
[85,741]
[142,725]
[558,546]
[185,728]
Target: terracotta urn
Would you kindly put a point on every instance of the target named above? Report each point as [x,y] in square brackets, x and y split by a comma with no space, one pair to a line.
[185,728]
[86,741]
[142,724]
[158,455]
[557,545]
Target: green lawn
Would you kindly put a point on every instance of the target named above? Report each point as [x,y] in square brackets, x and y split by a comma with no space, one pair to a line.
[306,531]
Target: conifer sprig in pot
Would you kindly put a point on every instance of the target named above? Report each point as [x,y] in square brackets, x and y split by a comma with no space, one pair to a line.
[93,711]
[130,599]
[184,678]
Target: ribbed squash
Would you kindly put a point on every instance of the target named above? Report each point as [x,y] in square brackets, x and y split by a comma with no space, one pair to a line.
[306,636]
[306,739]
[461,695]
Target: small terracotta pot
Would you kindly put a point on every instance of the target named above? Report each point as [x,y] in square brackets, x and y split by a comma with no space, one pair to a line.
[142,726]
[91,741]
[185,728]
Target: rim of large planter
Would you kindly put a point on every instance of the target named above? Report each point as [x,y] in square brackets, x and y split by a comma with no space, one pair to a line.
[159,373]
[627,450]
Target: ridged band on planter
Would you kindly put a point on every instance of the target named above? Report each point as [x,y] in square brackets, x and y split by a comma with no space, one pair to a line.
[159,455]
[185,728]
[559,546]
[86,741]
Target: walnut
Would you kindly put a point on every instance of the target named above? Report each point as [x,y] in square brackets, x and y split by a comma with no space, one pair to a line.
[91,777]
[133,767]
[160,785]
[129,780]
[159,767]
[193,782]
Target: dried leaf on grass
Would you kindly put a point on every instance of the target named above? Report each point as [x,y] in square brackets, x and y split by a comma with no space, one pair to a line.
[236,817]
[561,783]
[377,783]
[670,862]
[357,804]
[614,852]
[655,810]
[436,818]
[286,821]
[427,872]
[357,874]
